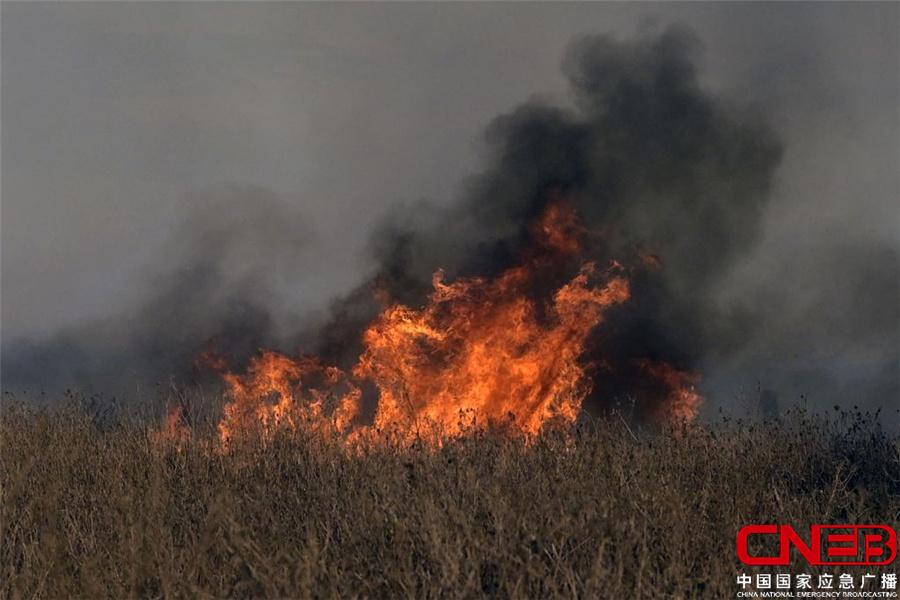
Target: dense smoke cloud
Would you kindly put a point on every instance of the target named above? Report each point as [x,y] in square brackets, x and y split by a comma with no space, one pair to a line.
[212,286]
[653,162]
[826,336]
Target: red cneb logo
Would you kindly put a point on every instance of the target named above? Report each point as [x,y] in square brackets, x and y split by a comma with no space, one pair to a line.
[828,545]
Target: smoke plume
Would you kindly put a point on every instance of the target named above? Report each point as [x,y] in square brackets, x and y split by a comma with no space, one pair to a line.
[673,181]
[653,163]
[212,286]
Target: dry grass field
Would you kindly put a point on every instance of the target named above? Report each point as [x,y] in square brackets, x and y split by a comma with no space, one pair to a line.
[95,509]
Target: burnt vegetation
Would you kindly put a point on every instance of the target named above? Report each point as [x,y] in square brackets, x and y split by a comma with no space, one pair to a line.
[94,505]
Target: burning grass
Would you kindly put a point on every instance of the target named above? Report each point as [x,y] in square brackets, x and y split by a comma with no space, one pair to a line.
[93,509]
[518,344]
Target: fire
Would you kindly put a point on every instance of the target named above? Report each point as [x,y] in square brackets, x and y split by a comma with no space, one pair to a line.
[210,359]
[173,431]
[651,260]
[683,402]
[273,374]
[480,352]
[484,348]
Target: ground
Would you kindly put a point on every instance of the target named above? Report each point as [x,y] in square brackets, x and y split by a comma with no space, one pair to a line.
[95,508]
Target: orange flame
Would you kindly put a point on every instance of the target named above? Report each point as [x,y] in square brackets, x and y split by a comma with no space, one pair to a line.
[271,374]
[480,352]
[173,431]
[683,402]
[650,260]
[481,347]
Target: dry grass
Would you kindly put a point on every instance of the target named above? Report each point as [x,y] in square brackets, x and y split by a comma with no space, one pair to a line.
[96,511]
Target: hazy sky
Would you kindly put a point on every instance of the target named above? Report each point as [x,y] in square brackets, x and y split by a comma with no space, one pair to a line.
[116,117]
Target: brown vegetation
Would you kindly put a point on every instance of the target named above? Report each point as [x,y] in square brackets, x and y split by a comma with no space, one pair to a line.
[95,510]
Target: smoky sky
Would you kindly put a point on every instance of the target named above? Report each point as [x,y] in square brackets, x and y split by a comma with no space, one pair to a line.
[175,174]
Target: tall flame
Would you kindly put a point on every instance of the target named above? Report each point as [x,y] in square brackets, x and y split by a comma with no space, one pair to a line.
[479,352]
[483,347]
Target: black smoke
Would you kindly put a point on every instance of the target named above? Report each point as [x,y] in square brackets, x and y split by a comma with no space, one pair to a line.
[653,161]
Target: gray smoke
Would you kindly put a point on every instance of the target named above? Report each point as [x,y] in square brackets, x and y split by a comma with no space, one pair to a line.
[650,158]
[825,336]
[212,288]
[652,161]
